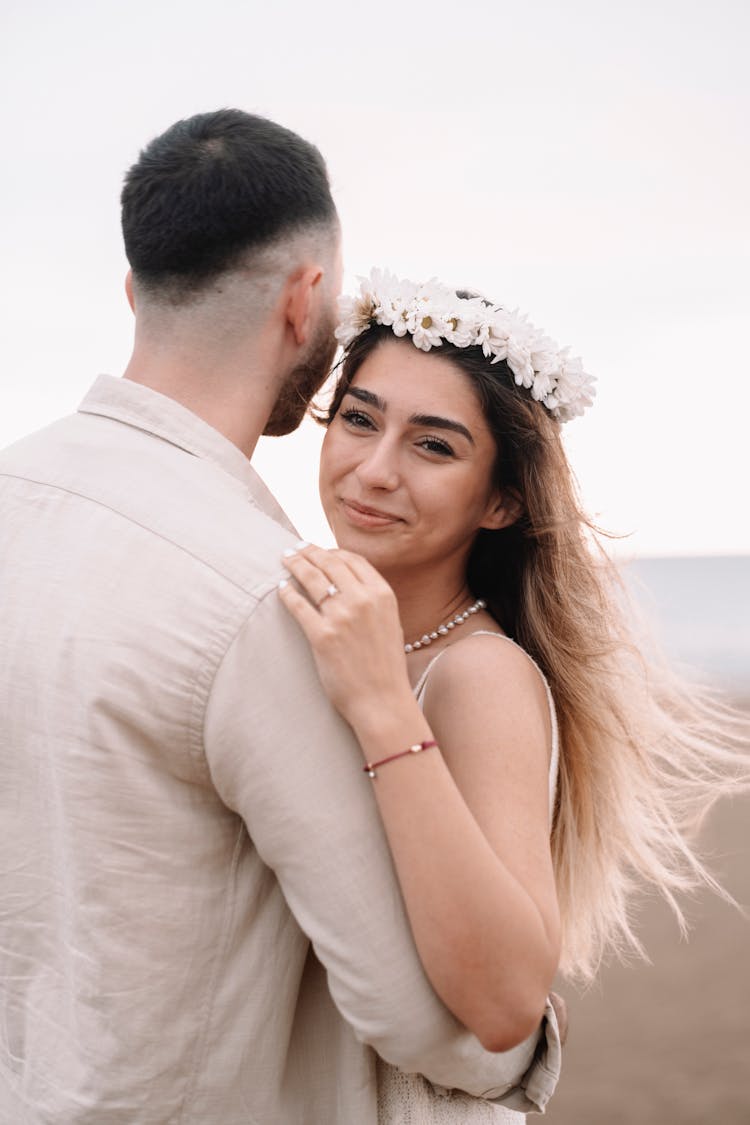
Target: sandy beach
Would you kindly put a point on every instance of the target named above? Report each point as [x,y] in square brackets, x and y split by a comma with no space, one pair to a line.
[669,1043]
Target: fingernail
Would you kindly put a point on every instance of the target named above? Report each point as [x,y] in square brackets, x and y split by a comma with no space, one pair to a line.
[288,552]
[283,582]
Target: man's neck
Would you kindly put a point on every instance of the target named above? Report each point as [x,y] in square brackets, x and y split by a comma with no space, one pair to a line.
[235,403]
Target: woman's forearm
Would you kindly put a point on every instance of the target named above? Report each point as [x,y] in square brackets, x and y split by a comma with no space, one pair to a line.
[481,938]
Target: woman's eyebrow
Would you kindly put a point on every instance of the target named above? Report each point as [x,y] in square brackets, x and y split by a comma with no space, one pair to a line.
[432,421]
[368,397]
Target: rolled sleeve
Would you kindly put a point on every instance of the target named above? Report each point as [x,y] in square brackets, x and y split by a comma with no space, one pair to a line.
[284,760]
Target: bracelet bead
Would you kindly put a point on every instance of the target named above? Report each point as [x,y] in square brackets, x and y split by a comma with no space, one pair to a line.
[371,768]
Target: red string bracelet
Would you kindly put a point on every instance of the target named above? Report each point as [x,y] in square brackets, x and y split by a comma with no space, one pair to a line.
[417,748]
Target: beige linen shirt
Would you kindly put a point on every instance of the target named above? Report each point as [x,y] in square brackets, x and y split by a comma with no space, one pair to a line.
[199,919]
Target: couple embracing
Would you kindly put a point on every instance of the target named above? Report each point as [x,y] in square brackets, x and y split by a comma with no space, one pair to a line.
[295,836]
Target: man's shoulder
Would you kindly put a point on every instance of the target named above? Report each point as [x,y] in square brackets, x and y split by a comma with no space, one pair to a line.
[126,478]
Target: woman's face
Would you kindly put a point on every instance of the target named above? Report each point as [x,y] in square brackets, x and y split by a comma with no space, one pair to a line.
[406,466]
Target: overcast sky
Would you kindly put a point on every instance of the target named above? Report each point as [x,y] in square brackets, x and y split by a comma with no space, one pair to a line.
[585,161]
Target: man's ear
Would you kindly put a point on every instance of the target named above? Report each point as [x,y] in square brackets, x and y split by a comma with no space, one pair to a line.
[129,289]
[302,292]
[503,510]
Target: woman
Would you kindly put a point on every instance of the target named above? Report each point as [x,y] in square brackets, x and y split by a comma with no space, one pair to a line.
[446,485]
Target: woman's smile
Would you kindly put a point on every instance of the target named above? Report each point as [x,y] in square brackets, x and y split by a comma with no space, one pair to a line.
[362,515]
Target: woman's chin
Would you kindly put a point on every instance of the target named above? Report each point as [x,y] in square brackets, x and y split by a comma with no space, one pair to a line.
[348,540]
[369,546]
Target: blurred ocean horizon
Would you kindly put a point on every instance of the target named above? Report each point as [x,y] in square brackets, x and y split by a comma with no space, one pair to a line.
[699,609]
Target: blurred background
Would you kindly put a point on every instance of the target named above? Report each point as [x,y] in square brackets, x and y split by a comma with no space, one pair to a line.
[588,163]
[666,1042]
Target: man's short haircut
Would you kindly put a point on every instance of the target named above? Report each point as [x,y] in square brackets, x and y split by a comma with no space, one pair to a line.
[210,189]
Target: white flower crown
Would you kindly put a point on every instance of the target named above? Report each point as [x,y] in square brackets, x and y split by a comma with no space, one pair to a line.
[432,312]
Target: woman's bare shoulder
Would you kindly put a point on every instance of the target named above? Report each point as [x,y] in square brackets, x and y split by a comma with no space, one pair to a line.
[487,688]
[488,660]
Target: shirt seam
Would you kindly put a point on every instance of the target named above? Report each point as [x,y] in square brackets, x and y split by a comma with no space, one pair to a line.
[249,612]
[137,523]
[216,651]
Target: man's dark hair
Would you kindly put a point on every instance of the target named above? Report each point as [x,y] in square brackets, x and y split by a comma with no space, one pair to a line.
[211,188]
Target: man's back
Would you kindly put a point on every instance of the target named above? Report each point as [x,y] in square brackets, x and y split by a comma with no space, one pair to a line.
[128,565]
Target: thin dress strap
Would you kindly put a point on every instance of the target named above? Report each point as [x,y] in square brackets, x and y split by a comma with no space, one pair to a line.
[421,685]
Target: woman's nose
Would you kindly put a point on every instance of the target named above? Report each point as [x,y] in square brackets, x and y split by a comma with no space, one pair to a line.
[379,469]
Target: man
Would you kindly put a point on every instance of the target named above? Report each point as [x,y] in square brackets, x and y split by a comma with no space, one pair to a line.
[183,813]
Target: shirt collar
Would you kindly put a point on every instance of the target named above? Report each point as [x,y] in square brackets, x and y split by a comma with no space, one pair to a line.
[136,405]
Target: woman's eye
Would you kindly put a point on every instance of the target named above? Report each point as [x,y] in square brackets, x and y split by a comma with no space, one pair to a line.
[437,445]
[357,418]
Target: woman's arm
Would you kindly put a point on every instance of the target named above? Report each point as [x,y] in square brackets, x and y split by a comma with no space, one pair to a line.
[467,824]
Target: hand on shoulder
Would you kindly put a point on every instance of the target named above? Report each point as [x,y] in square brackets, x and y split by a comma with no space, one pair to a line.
[349,615]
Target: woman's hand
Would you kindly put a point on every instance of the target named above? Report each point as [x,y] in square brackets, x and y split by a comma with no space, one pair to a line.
[349,614]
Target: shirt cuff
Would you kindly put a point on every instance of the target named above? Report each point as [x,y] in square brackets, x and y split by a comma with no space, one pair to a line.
[538,1084]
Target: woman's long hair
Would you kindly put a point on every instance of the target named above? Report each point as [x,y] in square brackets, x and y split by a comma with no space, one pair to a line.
[643,753]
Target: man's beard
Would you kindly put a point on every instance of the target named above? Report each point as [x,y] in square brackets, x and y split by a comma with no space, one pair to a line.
[303,381]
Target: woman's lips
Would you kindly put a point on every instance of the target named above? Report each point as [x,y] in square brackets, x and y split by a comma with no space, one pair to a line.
[363,516]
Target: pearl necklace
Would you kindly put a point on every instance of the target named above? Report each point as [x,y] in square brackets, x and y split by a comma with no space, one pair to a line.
[443,630]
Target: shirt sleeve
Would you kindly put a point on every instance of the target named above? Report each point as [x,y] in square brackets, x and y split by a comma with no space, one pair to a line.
[287,763]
